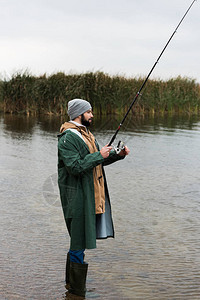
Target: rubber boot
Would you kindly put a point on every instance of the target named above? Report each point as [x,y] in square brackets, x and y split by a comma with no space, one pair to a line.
[67,272]
[77,278]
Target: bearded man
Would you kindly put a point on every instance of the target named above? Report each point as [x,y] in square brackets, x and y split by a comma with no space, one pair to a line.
[83,190]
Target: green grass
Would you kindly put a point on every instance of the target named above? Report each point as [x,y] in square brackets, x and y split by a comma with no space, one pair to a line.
[28,94]
[1,96]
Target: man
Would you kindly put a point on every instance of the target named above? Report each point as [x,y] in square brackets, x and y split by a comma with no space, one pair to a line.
[83,190]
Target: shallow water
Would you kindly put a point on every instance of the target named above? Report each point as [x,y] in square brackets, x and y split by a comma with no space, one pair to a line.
[155,196]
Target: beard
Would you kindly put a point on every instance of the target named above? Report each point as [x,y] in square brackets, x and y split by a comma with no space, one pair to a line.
[84,121]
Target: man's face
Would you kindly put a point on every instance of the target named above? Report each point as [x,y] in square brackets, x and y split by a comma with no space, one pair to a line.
[86,118]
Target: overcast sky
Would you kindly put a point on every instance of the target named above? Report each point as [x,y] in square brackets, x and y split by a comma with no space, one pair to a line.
[123,37]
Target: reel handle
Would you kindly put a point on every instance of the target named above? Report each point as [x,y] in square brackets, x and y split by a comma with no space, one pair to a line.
[120,146]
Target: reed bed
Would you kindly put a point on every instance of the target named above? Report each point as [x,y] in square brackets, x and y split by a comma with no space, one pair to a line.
[28,94]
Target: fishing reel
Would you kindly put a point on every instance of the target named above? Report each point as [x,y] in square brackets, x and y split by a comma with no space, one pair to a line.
[120,147]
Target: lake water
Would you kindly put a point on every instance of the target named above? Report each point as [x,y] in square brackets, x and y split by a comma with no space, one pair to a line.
[155,196]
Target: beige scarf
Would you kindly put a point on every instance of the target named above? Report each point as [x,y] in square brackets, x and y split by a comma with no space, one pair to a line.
[97,171]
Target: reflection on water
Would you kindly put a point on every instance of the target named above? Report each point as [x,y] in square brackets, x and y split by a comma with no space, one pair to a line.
[155,198]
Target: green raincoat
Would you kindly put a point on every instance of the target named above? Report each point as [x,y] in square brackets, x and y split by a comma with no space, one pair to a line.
[75,180]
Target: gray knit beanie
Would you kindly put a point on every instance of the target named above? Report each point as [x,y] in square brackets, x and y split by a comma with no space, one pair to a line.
[77,107]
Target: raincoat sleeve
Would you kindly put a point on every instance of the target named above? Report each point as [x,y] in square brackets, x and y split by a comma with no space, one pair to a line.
[75,160]
[113,157]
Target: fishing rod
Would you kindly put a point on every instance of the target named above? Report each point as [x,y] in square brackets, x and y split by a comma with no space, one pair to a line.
[145,81]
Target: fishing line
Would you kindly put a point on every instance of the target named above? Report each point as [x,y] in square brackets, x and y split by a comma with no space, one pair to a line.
[145,81]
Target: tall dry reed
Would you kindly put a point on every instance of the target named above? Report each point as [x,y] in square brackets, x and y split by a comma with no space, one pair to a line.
[25,93]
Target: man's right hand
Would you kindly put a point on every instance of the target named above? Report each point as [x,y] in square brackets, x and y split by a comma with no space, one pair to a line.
[105,151]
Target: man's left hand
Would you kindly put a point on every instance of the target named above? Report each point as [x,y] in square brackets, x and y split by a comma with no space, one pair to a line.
[125,151]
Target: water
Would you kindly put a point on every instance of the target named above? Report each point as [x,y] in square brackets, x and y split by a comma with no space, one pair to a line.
[155,195]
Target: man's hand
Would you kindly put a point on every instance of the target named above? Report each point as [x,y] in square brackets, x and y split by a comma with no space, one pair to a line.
[105,151]
[125,151]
